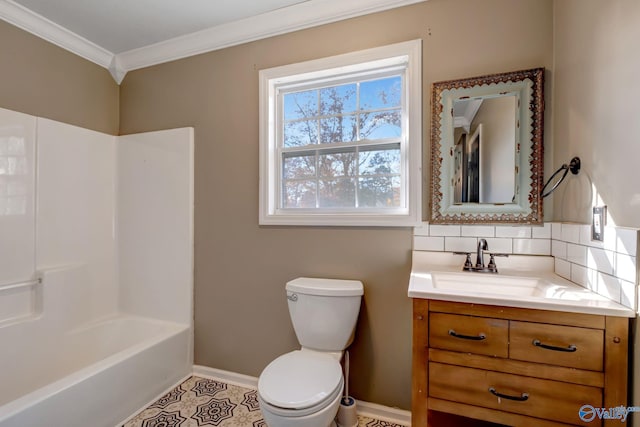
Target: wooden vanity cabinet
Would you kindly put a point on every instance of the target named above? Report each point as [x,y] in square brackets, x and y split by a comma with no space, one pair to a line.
[514,366]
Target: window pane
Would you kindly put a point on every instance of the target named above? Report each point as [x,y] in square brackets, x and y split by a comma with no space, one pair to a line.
[297,134]
[337,193]
[380,162]
[338,99]
[338,129]
[299,194]
[301,105]
[379,192]
[337,164]
[299,167]
[381,124]
[382,93]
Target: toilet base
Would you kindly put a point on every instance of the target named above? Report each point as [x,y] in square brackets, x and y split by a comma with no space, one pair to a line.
[327,414]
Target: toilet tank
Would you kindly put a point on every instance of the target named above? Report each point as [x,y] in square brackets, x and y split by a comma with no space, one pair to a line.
[324,312]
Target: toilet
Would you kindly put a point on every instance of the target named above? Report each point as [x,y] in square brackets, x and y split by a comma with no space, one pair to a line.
[303,388]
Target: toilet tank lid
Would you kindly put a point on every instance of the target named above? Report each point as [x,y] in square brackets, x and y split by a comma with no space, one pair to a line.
[326,287]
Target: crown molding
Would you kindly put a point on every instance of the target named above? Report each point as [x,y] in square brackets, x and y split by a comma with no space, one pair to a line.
[297,17]
[115,68]
[40,26]
[300,16]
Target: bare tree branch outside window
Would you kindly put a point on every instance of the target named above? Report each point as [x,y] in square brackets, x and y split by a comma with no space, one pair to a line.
[347,145]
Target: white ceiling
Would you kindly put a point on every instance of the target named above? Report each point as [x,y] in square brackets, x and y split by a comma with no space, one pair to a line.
[124,35]
[122,25]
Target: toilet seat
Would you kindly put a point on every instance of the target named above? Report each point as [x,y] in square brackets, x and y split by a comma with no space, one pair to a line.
[301,382]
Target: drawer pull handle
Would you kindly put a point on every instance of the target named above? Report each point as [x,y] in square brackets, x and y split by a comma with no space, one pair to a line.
[523,397]
[480,337]
[570,349]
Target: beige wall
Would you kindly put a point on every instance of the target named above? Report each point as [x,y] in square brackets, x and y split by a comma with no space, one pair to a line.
[596,107]
[596,115]
[44,80]
[240,309]
[497,180]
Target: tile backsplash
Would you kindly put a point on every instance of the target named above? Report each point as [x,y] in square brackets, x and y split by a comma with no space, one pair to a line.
[523,240]
[608,268]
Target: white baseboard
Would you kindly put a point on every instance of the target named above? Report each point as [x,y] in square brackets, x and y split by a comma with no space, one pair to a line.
[367,409]
[225,376]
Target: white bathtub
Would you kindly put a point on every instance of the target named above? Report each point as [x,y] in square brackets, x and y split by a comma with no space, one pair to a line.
[96,290]
[96,375]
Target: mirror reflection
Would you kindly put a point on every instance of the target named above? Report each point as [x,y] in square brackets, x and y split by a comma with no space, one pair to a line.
[486,149]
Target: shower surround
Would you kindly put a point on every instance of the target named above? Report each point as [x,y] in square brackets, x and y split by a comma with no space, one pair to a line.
[96,270]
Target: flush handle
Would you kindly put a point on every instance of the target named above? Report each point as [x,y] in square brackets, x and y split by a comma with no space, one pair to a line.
[292,297]
[569,349]
[479,337]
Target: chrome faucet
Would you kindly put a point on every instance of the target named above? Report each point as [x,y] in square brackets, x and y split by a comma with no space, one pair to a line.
[482,246]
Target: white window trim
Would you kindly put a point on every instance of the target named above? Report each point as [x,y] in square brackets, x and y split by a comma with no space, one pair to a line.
[409,53]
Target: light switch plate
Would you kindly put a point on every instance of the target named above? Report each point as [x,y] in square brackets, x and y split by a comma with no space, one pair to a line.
[598,222]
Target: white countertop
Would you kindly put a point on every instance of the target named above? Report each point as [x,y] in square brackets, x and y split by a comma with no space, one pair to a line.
[527,282]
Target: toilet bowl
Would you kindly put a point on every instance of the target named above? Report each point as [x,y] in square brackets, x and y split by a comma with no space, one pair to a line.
[303,388]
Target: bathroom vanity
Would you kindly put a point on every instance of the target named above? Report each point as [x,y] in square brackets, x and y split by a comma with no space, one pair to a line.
[513,349]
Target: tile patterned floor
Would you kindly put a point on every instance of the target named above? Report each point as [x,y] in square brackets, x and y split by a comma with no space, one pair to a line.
[206,402]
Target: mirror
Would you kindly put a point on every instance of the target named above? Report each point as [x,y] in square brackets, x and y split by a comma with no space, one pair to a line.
[486,149]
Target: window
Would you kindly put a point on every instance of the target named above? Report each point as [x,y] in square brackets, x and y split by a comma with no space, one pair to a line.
[341,139]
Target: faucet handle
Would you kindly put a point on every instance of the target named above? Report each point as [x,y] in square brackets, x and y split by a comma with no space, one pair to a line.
[499,254]
[468,265]
[492,262]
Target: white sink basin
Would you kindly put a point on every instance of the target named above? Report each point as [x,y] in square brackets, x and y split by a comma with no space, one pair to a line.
[490,283]
[522,281]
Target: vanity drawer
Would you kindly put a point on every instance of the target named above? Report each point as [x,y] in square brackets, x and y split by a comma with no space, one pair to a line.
[469,334]
[568,346]
[534,397]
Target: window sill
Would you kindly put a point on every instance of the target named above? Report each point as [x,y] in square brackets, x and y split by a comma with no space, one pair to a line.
[341,220]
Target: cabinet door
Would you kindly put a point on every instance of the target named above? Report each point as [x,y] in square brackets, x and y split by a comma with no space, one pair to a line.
[469,334]
[573,347]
